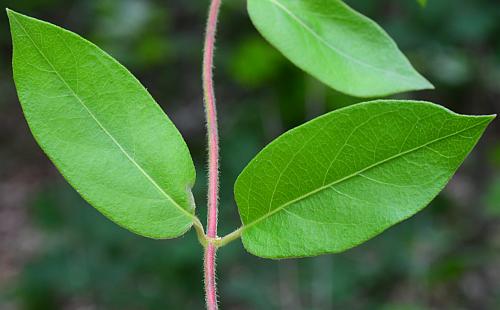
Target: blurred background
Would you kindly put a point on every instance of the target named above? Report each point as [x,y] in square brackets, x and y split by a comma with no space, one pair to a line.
[57,252]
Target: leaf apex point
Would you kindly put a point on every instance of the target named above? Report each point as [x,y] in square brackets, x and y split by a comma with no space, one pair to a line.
[427,84]
[490,117]
[10,12]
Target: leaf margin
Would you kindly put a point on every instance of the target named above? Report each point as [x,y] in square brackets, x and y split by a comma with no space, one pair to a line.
[425,84]
[488,118]
[194,221]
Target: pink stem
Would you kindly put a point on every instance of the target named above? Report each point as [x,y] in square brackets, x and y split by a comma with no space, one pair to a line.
[210,285]
[213,154]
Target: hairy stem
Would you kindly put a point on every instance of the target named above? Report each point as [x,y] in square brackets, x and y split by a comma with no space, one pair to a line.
[213,154]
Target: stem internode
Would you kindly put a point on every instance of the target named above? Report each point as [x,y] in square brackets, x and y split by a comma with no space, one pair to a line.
[213,154]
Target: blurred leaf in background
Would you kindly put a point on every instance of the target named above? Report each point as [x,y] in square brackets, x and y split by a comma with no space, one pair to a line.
[422,3]
[492,197]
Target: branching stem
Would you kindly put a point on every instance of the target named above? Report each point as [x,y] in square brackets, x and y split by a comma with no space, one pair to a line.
[213,155]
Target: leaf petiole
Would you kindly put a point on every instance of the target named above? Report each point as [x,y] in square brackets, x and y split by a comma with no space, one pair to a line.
[220,242]
[200,232]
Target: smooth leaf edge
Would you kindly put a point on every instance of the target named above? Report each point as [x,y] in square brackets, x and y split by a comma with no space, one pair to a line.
[488,119]
[426,84]
[13,15]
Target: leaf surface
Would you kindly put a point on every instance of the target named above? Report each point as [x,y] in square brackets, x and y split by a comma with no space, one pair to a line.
[337,45]
[102,130]
[344,177]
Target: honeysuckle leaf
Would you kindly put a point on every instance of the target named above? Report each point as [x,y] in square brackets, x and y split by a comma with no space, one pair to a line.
[102,129]
[337,45]
[346,176]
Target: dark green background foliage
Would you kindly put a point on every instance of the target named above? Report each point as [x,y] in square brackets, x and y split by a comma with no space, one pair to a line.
[56,252]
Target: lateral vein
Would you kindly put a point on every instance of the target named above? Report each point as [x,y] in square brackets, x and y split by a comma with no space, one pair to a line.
[328,45]
[265,216]
[120,147]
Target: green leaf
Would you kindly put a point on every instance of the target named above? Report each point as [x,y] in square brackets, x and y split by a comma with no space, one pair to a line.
[344,177]
[337,45]
[102,129]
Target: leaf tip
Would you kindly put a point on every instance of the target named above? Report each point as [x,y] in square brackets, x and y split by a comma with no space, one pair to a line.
[12,16]
[11,13]
[486,119]
[425,83]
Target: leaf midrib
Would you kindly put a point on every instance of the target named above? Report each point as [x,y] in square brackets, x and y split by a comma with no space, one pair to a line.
[333,48]
[120,147]
[338,181]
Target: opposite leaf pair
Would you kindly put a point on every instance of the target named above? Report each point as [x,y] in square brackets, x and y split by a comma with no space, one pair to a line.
[323,187]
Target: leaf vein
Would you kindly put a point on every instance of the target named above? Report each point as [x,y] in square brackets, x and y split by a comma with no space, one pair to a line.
[120,147]
[335,182]
[334,49]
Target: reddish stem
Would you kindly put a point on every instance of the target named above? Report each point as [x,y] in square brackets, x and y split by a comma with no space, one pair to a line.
[213,154]
[210,285]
